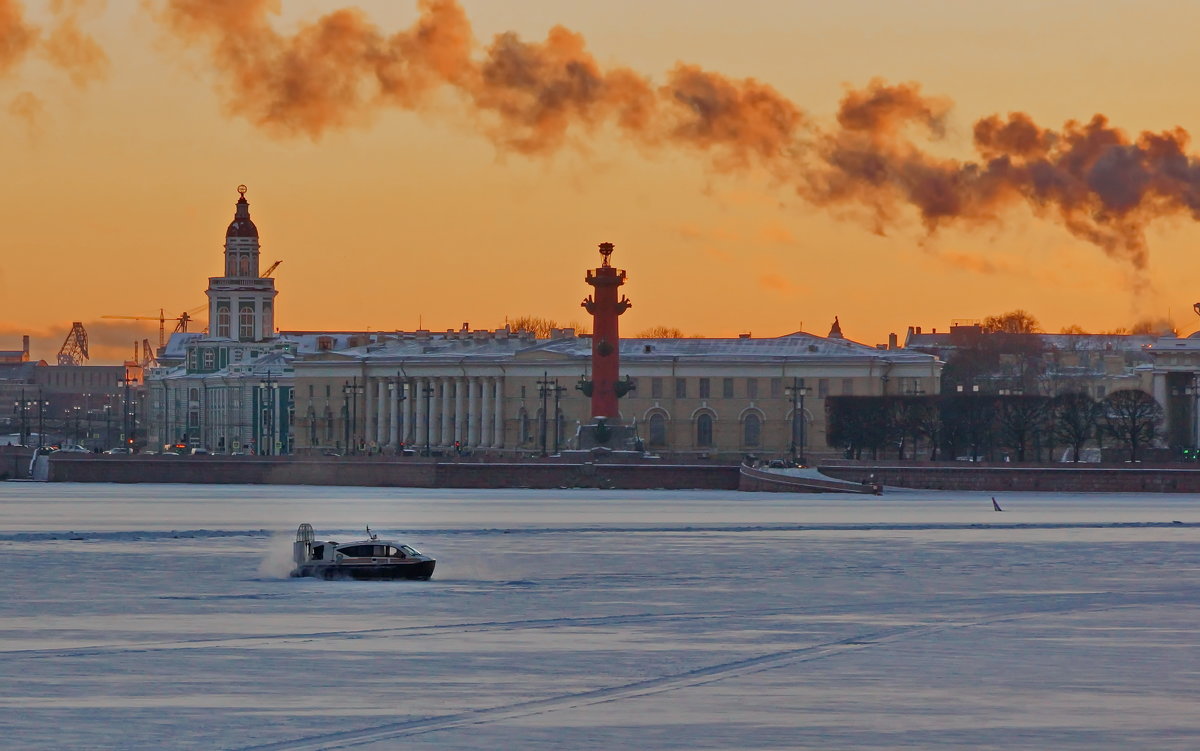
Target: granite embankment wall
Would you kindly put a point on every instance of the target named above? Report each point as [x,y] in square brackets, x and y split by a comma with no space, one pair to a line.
[380,472]
[1059,478]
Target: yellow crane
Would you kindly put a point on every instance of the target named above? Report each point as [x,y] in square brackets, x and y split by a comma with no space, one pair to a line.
[181,320]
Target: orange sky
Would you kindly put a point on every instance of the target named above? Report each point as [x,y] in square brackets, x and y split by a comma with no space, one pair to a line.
[123,138]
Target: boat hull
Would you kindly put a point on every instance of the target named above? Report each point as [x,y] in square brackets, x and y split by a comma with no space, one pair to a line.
[421,570]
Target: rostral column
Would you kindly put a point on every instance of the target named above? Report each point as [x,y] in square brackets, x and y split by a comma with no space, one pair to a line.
[606,311]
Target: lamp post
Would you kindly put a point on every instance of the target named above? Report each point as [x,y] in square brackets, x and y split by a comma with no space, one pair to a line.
[1194,391]
[544,387]
[42,404]
[126,438]
[350,392]
[108,425]
[396,389]
[798,391]
[558,392]
[269,388]
[24,406]
[427,390]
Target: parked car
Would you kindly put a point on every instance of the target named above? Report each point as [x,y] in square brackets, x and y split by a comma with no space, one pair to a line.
[199,451]
[73,448]
[120,450]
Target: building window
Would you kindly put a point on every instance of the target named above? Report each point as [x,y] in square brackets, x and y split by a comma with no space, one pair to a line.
[752,430]
[658,430]
[822,387]
[681,388]
[210,359]
[267,321]
[777,387]
[223,320]
[704,388]
[727,388]
[704,430]
[244,266]
[847,387]
[246,323]
[751,388]
[656,388]
[523,431]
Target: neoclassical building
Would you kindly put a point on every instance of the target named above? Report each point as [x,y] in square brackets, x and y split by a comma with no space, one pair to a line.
[503,393]
[242,386]
[227,389]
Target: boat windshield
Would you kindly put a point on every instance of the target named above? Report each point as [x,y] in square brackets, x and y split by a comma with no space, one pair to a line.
[409,551]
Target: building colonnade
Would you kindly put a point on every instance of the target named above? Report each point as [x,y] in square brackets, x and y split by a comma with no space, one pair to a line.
[436,411]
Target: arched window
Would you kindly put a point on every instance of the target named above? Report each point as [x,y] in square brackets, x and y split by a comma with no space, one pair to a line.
[223,320]
[658,429]
[267,321]
[246,323]
[245,266]
[194,394]
[231,265]
[751,430]
[704,430]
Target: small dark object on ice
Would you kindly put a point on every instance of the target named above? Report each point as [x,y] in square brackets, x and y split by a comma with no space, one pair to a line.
[995,506]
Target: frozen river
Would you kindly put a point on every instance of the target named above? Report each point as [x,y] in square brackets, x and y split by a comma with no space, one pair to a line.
[161,617]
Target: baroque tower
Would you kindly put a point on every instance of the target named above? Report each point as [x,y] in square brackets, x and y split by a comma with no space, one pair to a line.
[241,304]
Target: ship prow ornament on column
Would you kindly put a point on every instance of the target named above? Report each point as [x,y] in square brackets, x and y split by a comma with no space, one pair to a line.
[606,431]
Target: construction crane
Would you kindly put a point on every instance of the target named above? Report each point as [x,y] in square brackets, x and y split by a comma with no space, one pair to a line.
[271,268]
[181,320]
[74,350]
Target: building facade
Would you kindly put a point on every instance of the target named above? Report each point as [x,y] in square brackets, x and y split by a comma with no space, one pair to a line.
[506,393]
[241,386]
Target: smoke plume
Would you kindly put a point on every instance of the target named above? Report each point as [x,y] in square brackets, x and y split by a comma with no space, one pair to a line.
[1102,185]
[66,46]
[16,36]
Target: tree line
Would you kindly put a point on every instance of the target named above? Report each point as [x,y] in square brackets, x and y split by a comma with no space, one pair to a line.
[994,427]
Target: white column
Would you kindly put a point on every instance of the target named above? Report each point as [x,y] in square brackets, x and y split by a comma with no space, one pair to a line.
[485,433]
[410,393]
[435,411]
[394,425]
[381,402]
[367,416]
[422,413]
[460,414]
[498,439]
[447,416]
[472,412]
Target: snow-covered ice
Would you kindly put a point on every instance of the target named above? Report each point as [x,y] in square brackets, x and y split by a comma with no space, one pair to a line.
[160,617]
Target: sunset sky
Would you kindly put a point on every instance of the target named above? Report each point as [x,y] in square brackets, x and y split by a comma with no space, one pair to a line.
[450,189]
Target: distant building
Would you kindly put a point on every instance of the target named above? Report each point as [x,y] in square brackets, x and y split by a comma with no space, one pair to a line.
[1046,364]
[485,391]
[242,386]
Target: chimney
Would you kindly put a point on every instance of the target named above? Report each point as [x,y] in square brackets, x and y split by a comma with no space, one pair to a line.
[25,345]
[891,341]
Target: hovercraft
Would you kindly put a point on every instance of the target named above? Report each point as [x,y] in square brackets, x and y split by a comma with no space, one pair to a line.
[370,559]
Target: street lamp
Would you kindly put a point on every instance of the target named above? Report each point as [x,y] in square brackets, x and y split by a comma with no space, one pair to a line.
[1194,391]
[396,388]
[544,389]
[350,392]
[427,390]
[269,388]
[798,391]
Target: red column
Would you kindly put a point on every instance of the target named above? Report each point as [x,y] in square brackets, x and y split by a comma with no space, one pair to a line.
[606,337]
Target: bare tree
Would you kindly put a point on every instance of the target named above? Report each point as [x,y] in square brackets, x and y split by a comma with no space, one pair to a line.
[1013,322]
[1019,417]
[1132,417]
[542,327]
[661,332]
[1075,416]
